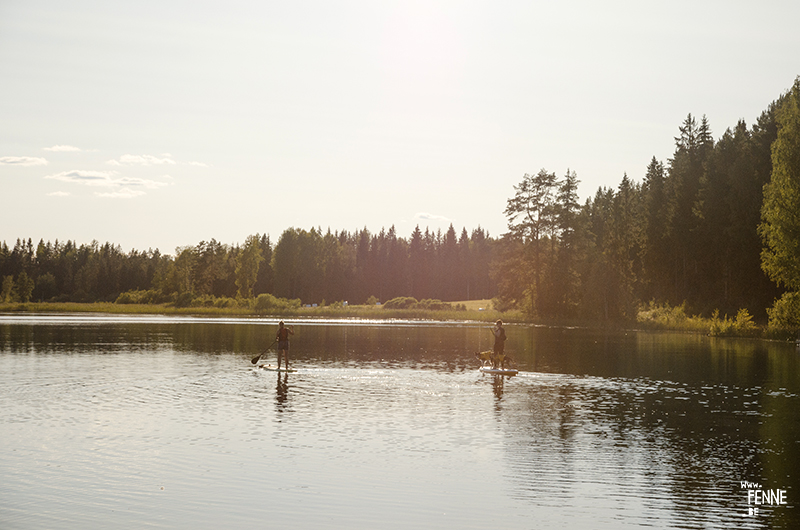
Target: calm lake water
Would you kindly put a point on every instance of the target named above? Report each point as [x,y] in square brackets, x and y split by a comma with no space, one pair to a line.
[162,422]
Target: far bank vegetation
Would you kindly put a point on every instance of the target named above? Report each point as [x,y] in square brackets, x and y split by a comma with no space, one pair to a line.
[707,240]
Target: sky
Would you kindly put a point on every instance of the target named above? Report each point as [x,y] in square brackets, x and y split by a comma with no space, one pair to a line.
[161,124]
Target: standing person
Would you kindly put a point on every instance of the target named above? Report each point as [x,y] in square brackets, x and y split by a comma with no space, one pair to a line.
[283,342]
[499,332]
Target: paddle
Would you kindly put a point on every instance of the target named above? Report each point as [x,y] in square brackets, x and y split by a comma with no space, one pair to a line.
[255,359]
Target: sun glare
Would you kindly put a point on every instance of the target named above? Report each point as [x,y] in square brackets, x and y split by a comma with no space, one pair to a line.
[421,44]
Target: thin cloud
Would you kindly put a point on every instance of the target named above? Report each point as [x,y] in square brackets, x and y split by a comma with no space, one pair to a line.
[22,161]
[59,194]
[119,187]
[87,178]
[142,160]
[425,216]
[122,193]
[150,160]
[146,183]
[63,149]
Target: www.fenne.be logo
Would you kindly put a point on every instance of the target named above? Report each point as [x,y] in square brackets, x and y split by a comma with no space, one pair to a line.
[758,497]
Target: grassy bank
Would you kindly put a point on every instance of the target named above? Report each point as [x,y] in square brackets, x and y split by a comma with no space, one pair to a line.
[663,317]
[477,310]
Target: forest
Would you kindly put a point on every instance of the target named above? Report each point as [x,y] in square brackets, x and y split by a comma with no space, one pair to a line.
[309,265]
[713,229]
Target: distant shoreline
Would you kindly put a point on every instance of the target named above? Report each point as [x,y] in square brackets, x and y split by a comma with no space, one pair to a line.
[472,313]
[476,311]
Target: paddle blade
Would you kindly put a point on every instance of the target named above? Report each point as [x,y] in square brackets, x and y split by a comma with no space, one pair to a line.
[255,359]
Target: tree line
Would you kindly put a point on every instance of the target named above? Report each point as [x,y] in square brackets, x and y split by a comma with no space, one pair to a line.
[65,271]
[310,265]
[715,227]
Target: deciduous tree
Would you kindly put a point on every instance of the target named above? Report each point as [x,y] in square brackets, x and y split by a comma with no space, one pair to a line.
[780,227]
[247,263]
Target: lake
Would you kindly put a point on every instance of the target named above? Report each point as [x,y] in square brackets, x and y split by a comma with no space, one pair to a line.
[163,422]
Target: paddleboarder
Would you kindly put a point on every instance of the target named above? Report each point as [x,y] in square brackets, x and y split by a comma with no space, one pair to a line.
[499,360]
[283,342]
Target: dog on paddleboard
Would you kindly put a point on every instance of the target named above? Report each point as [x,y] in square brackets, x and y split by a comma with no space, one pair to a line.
[489,358]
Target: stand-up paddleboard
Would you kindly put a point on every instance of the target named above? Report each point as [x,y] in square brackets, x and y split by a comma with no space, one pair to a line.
[498,371]
[271,368]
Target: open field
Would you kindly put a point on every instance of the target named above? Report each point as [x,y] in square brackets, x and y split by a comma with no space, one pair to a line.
[475,305]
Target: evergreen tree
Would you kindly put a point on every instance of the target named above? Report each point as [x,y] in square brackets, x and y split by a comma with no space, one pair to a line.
[482,255]
[397,264]
[685,173]
[598,275]
[729,210]
[265,278]
[450,273]
[657,271]
[565,272]
[417,265]
[210,269]
[286,264]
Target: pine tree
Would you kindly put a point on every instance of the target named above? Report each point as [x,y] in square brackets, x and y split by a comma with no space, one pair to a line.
[657,213]
[685,174]
[531,219]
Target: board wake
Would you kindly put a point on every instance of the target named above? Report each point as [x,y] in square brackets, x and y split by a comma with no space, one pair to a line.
[271,368]
[498,371]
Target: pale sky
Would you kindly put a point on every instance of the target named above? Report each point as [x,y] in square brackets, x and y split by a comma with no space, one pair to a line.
[158,124]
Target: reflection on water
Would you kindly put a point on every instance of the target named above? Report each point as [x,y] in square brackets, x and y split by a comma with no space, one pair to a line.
[164,422]
[282,392]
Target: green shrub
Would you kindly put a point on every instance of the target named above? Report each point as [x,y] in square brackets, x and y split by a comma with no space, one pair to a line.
[205,300]
[742,325]
[266,302]
[135,296]
[128,297]
[427,304]
[432,305]
[184,300]
[372,301]
[663,314]
[503,304]
[784,315]
[224,301]
[401,302]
